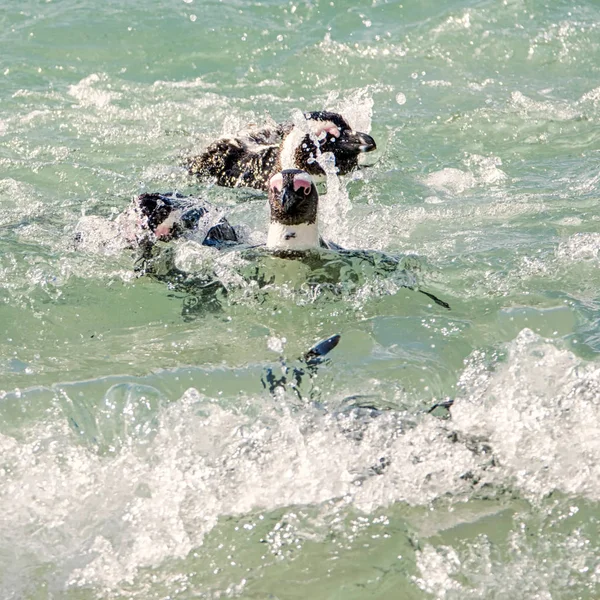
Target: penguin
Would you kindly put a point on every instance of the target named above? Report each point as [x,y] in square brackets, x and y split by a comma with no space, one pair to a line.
[293,204]
[169,216]
[294,227]
[291,376]
[250,160]
[154,217]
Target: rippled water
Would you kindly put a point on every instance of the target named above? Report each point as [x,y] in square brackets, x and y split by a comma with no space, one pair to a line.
[142,456]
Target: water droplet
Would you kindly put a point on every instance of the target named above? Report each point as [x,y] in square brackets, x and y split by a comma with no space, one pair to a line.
[400,98]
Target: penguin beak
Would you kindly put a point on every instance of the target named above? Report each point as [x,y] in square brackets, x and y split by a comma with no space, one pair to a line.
[288,199]
[354,142]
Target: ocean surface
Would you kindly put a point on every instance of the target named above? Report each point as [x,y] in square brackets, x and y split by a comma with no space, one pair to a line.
[142,456]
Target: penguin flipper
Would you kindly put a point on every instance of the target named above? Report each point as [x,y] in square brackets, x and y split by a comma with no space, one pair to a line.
[435,299]
[220,234]
[321,349]
[329,245]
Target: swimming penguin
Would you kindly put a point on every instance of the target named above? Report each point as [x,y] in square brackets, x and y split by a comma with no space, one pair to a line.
[171,215]
[293,227]
[293,204]
[156,217]
[250,160]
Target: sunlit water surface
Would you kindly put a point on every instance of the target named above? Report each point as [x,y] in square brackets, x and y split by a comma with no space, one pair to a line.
[141,455]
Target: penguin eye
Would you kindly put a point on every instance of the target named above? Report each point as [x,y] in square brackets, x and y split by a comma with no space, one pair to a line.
[306,191]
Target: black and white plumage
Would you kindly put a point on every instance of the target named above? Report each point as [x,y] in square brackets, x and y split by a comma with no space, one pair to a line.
[251,160]
[171,215]
[156,217]
[293,204]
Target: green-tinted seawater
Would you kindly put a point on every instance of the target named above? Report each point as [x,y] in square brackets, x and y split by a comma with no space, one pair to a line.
[141,455]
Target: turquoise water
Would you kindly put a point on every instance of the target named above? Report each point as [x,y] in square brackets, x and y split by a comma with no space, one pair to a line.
[141,456]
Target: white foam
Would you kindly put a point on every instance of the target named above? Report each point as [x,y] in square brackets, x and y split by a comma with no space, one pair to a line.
[87,93]
[154,499]
[146,483]
[356,107]
[198,82]
[19,201]
[540,412]
[532,569]
[481,171]
[104,236]
[580,247]
[450,180]
[437,567]
[335,205]
[547,109]
[453,23]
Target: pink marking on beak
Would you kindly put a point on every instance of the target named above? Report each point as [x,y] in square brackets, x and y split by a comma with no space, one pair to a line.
[303,180]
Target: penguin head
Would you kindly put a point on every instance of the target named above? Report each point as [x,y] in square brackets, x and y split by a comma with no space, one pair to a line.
[328,132]
[293,198]
[155,208]
[168,215]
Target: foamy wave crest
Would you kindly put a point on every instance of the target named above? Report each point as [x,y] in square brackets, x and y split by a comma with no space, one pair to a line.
[481,171]
[132,483]
[139,478]
[88,94]
[356,107]
[521,568]
[580,247]
[18,201]
[560,111]
[539,411]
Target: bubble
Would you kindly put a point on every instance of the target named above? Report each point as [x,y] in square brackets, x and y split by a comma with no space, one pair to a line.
[400,98]
[276,344]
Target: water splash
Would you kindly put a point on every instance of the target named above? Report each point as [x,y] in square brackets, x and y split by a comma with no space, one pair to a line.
[540,412]
[126,484]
